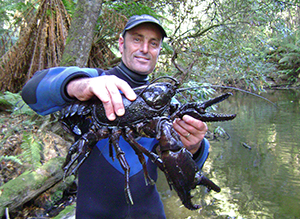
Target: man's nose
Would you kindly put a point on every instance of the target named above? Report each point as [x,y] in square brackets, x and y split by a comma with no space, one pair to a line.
[144,47]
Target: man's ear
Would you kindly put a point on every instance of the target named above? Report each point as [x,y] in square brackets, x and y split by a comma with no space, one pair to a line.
[121,44]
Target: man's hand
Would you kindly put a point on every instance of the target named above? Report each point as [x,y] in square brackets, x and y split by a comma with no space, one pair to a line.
[106,88]
[191,131]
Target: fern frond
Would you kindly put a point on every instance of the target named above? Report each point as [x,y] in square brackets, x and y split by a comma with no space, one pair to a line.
[13,102]
[5,105]
[32,150]
[11,158]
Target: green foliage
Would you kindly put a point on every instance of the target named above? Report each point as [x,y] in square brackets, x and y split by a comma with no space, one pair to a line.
[13,102]
[229,41]
[240,64]
[11,14]
[4,104]
[133,8]
[70,6]
[199,91]
[285,53]
[14,159]
[32,150]
[22,124]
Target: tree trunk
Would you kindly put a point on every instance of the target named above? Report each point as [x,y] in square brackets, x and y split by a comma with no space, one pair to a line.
[80,37]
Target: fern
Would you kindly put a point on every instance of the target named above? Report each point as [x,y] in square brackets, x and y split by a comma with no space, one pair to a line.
[290,59]
[11,158]
[32,150]
[5,104]
[13,102]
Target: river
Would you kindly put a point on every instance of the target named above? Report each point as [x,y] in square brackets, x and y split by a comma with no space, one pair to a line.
[261,182]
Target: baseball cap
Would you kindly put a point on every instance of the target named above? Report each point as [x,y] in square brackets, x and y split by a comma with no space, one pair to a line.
[145,18]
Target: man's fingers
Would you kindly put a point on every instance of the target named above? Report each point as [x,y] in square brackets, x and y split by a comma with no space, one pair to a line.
[126,89]
[108,91]
[104,95]
[115,98]
[195,123]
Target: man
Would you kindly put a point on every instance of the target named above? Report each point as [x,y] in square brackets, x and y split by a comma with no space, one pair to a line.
[101,180]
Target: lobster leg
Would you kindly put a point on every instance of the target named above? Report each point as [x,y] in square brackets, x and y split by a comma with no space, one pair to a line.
[83,146]
[116,133]
[136,147]
[151,129]
[74,170]
[153,157]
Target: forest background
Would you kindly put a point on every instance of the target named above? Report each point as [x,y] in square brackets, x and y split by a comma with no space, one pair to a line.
[249,44]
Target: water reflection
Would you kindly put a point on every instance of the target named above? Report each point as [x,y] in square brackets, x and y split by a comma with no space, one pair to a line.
[263,182]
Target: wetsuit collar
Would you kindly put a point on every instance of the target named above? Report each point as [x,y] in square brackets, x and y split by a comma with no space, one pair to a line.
[132,76]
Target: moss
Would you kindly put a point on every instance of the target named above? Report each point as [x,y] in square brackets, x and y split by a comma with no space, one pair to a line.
[16,191]
[68,212]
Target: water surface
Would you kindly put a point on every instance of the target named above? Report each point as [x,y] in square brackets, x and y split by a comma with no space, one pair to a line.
[263,182]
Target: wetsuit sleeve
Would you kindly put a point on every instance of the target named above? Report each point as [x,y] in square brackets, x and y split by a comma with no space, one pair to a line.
[46,93]
[201,155]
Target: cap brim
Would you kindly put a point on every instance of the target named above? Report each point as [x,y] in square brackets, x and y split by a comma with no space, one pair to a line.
[134,24]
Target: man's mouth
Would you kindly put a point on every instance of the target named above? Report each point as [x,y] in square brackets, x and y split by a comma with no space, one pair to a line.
[142,58]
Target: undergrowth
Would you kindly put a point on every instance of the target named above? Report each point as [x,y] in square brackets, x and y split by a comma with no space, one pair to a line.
[22,132]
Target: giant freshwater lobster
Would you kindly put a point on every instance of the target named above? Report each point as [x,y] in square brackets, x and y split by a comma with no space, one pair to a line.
[150,115]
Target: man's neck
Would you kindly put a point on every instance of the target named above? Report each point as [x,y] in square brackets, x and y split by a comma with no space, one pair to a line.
[134,77]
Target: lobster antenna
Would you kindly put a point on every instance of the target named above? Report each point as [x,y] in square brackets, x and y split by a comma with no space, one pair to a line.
[228,87]
[168,77]
[159,78]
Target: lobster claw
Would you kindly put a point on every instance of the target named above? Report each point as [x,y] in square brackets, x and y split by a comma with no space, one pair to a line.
[197,110]
[204,181]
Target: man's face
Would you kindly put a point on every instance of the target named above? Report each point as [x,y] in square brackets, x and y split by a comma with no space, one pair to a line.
[140,48]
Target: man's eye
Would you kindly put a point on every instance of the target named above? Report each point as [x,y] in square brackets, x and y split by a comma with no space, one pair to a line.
[154,44]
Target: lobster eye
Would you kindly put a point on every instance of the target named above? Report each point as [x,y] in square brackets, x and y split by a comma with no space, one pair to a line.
[159,95]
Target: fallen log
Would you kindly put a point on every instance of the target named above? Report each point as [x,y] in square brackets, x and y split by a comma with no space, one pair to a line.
[30,184]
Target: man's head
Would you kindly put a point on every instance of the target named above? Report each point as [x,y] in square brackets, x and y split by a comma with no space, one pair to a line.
[140,43]
[140,19]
